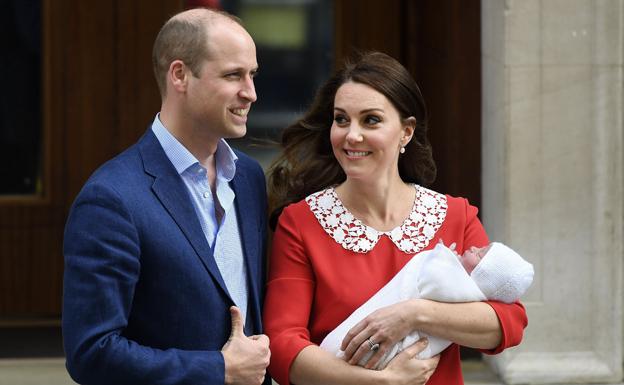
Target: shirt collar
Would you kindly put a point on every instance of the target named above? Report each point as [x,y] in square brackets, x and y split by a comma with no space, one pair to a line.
[225,161]
[182,159]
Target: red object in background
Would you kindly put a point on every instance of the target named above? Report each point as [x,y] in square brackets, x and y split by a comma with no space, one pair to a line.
[214,4]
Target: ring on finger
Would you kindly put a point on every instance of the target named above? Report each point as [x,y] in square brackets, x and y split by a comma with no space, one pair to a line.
[373,346]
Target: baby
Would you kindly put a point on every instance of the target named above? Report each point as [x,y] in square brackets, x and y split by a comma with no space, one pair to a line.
[494,272]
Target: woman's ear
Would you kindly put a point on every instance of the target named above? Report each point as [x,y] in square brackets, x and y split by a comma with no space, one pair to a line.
[409,125]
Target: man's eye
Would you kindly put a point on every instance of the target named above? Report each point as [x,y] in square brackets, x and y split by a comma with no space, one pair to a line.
[233,75]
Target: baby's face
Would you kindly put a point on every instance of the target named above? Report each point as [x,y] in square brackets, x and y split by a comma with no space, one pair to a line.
[472,257]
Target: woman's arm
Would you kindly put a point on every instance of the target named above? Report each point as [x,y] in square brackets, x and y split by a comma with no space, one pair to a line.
[471,324]
[489,326]
[287,312]
[314,366]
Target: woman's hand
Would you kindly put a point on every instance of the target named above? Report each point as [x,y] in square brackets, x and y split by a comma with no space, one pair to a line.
[405,369]
[384,327]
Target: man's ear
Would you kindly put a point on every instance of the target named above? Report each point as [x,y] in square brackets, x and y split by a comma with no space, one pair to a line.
[178,76]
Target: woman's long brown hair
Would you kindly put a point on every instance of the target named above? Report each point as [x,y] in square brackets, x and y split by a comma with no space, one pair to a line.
[307,163]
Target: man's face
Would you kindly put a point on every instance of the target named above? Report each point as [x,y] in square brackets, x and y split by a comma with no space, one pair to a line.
[220,98]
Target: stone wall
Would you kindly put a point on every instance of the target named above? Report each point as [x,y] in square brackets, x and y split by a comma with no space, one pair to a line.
[553,178]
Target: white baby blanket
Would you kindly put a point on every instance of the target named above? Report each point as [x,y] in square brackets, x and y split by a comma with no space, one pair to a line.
[435,274]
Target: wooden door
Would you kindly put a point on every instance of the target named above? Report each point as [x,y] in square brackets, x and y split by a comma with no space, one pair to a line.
[98,97]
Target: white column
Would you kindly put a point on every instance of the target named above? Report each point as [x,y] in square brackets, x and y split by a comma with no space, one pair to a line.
[553,179]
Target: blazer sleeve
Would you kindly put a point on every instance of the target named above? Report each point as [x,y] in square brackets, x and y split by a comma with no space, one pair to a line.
[102,266]
[289,297]
[512,317]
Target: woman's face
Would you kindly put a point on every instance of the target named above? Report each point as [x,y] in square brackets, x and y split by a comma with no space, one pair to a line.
[367,132]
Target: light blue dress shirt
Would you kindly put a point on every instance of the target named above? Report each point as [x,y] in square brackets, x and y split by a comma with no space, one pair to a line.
[223,236]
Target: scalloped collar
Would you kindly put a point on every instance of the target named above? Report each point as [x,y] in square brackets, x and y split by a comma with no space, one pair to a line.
[412,236]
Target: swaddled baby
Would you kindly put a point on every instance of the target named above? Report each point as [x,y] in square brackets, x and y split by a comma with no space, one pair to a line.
[494,272]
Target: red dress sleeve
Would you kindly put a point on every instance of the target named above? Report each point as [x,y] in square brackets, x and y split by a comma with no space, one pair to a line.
[289,296]
[474,233]
[513,321]
[512,317]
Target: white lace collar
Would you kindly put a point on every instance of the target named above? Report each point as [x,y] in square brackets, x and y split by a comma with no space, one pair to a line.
[428,214]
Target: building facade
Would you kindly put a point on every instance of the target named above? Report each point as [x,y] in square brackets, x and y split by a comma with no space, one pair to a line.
[552,178]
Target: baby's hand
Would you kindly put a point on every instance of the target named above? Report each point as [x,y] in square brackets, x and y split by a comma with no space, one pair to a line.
[452,247]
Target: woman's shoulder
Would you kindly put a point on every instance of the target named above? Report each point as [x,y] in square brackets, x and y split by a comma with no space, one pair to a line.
[460,206]
[315,198]
[453,202]
[305,215]
[461,215]
[457,203]
[457,210]
[462,224]
[306,206]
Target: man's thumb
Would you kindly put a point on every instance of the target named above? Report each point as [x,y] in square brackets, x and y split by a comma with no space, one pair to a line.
[237,322]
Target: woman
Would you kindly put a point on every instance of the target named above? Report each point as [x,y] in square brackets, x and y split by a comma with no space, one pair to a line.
[352,212]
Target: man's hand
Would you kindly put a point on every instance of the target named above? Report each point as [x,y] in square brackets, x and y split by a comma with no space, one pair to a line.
[246,358]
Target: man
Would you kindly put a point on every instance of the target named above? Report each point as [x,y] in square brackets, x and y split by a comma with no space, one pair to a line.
[164,246]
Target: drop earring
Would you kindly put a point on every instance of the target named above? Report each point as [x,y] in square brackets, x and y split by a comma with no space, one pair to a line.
[402,150]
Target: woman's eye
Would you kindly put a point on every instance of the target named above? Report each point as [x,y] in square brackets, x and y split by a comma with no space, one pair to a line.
[340,119]
[371,120]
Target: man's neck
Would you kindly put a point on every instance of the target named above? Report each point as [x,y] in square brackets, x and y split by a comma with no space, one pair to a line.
[195,139]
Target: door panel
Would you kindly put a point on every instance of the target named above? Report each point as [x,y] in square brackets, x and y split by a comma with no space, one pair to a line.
[99,95]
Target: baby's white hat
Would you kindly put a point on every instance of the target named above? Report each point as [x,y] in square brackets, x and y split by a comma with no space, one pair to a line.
[503,275]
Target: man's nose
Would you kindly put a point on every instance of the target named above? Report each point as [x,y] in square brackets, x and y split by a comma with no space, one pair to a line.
[249,90]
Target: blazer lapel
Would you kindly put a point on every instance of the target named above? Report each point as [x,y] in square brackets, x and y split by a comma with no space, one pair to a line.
[172,193]
[248,227]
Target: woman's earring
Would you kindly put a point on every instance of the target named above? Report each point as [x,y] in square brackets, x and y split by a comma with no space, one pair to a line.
[402,150]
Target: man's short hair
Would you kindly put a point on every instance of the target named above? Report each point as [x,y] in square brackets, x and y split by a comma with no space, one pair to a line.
[185,39]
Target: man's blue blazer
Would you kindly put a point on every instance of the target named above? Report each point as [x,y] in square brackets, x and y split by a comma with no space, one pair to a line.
[143,299]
